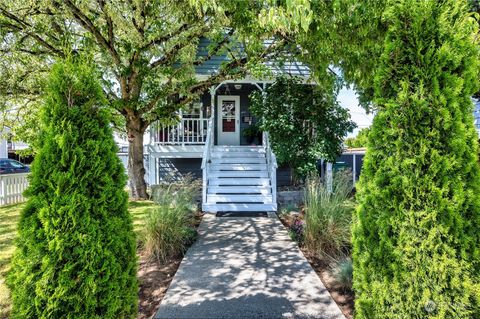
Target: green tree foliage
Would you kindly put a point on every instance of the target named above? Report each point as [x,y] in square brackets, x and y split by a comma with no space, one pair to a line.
[75,255]
[146,51]
[416,237]
[360,140]
[305,122]
[347,34]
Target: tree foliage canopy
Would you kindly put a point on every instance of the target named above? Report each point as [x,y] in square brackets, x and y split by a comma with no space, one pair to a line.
[361,140]
[145,50]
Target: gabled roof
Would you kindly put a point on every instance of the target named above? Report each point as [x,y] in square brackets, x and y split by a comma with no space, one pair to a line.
[211,66]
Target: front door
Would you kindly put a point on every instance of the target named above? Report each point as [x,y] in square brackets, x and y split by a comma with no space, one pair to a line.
[228,125]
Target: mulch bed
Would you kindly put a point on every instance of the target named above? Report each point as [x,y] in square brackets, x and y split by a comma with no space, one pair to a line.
[155,278]
[344,299]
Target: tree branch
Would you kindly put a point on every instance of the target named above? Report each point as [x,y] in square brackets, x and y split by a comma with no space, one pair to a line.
[84,21]
[109,21]
[23,25]
[167,37]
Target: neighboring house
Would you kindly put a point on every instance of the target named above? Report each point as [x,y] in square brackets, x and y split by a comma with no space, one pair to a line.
[3,148]
[4,143]
[476,114]
[208,143]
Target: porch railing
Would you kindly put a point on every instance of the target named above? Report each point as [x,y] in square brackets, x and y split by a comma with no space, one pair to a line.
[271,165]
[206,157]
[189,131]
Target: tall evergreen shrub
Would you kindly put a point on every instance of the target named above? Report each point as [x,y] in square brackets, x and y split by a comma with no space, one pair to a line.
[417,231]
[75,255]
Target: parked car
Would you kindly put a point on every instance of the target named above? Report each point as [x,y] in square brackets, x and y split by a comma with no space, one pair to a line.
[9,166]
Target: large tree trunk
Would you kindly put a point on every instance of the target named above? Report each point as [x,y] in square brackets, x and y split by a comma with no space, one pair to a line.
[136,169]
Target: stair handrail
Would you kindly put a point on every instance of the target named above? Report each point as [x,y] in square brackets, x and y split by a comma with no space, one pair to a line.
[271,165]
[206,158]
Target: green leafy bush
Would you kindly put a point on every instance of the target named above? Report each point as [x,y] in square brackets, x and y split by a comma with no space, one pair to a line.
[416,238]
[328,215]
[76,250]
[360,140]
[305,122]
[168,229]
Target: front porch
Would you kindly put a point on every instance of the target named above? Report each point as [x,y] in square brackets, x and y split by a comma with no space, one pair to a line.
[238,170]
[227,103]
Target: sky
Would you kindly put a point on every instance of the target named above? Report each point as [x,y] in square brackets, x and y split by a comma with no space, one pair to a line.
[348,99]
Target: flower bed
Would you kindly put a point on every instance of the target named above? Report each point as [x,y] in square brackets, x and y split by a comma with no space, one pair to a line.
[324,267]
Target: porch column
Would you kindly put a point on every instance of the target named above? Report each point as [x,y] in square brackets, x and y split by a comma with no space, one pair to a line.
[329,177]
[213,91]
[151,169]
[354,170]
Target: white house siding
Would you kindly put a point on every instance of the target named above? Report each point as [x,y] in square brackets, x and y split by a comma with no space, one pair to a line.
[476,115]
[3,149]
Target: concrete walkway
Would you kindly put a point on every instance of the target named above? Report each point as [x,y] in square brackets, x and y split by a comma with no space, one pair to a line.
[244,267]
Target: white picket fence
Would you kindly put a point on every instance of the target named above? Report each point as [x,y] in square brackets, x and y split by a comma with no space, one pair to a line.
[12,187]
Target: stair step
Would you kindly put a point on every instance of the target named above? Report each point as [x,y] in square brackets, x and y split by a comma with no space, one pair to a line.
[238,167]
[238,181]
[245,207]
[234,160]
[237,154]
[229,198]
[224,148]
[239,174]
[265,190]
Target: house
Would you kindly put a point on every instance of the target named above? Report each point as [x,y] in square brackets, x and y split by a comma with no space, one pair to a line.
[476,114]
[12,149]
[208,142]
[3,148]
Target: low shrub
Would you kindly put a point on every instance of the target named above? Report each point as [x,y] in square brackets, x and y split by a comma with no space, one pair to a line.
[169,227]
[342,271]
[297,230]
[328,215]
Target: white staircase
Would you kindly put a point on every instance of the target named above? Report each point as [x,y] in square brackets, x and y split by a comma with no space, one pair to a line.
[239,178]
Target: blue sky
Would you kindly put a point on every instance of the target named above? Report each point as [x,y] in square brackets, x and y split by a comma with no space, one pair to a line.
[348,99]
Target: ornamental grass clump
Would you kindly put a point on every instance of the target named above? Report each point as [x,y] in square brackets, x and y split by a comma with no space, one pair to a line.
[76,249]
[342,271]
[328,215]
[169,227]
[416,236]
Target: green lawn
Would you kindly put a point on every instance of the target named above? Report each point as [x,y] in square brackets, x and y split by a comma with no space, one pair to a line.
[9,216]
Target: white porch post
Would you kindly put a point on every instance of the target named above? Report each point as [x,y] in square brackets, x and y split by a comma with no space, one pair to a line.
[329,177]
[354,170]
[213,91]
[151,169]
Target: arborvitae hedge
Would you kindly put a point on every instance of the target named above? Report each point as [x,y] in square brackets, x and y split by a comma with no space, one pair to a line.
[75,255]
[417,232]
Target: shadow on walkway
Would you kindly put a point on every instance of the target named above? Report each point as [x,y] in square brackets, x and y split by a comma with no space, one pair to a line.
[246,267]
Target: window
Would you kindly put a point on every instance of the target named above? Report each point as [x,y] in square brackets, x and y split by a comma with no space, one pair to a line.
[194,110]
[4,164]
[16,164]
